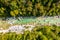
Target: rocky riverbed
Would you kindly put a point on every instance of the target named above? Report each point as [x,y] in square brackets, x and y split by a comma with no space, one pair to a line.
[18,29]
[23,24]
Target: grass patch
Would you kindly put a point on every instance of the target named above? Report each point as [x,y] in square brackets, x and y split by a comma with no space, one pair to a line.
[4,24]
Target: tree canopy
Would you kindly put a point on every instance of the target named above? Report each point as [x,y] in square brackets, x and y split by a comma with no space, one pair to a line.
[10,8]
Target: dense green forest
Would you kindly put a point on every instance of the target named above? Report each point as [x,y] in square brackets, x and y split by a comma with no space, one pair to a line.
[10,8]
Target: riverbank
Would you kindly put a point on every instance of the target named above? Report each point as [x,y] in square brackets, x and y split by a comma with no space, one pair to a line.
[37,33]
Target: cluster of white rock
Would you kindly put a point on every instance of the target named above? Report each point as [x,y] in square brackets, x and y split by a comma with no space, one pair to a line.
[18,29]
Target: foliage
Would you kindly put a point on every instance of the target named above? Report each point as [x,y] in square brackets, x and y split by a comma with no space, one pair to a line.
[38,33]
[29,7]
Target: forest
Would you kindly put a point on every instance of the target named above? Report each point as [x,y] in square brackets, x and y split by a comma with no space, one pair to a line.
[15,8]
